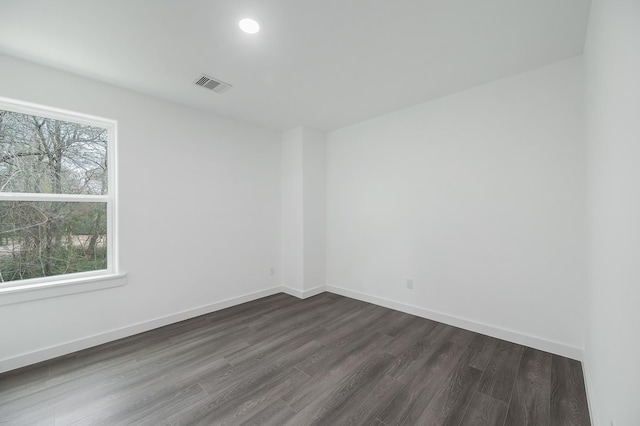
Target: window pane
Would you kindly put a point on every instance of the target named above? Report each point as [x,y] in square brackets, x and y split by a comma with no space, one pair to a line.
[39,239]
[44,155]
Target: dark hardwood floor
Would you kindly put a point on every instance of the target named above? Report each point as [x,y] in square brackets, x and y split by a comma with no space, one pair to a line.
[326,360]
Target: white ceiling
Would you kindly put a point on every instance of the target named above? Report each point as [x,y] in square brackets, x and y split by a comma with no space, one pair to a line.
[322,63]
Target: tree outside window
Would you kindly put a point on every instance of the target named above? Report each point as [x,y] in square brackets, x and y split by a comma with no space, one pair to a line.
[54,195]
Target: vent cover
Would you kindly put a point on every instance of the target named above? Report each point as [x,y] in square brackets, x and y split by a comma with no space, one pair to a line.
[212,84]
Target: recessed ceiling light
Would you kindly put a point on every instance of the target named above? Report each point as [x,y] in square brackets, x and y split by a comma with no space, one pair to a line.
[249,26]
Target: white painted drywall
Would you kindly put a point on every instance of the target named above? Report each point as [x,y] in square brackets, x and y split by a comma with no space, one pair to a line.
[478,197]
[199,208]
[303,211]
[314,207]
[291,215]
[612,66]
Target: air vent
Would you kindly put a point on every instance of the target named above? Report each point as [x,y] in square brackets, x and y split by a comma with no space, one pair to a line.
[212,84]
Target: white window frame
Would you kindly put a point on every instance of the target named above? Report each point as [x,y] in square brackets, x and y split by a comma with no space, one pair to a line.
[58,285]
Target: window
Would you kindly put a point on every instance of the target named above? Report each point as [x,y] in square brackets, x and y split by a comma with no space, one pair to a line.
[57,195]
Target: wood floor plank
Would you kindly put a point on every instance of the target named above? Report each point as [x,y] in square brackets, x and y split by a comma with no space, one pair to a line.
[530,400]
[325,410]
[219,380]
[244,399]
[322,384]
[568,396]
[499,376]
[336,350]
[155,410]
[400,323]
[140,394]
[308,308]
[482,348]
[212,329]
[409,403]
[291,324]
[412,359]
[257,352]
[484,410]
[342,323]
[216,344]
[133,381]
[405,339]
[23,381]
[449,405]
[46,397]
[277,413]
[279,360]
[264,306]
[462,337]
[366,407]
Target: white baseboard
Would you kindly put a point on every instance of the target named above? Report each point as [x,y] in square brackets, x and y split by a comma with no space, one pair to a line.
[489,330]
[303,294]
[98,339]
[84,343]
[588,384]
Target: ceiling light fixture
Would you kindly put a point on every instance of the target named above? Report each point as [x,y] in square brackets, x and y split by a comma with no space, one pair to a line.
[249,26]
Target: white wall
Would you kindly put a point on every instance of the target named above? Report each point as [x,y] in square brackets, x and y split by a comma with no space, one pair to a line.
[199,211]
[292,221]
[479,198]
[314,170]
[612,65]
[303,216]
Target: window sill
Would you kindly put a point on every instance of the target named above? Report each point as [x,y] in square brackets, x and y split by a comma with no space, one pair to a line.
[63,287]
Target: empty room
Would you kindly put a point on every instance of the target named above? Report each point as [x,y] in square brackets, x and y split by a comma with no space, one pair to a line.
[420,212]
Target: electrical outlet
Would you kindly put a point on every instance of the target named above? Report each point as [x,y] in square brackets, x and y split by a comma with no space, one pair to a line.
[409,283]
[272,271]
